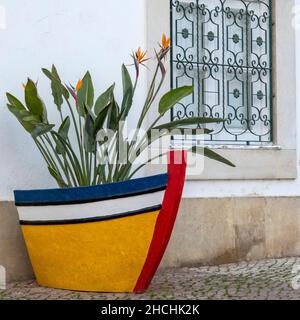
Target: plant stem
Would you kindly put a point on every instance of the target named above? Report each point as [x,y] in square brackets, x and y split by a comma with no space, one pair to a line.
[80,147]
[55,153]
[49,160]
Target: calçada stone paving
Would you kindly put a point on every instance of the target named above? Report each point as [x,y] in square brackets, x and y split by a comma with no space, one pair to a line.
[271,279]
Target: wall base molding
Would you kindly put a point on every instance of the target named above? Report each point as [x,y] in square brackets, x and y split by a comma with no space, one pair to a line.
[215,231]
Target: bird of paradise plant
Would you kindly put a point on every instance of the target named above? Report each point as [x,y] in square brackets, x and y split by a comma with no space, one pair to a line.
[83,163]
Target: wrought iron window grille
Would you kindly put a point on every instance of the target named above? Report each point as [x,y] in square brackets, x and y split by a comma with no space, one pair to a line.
[224,49]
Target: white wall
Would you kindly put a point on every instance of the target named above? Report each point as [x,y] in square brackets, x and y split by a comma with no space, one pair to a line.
[75,35]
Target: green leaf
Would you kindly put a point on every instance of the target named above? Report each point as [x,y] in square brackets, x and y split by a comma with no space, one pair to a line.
[126,80]
[104,100]
[211,155]
[182,131]
[127,94]
[20,115]
[89,134]
[41,128]
[63,131]
[85,94]
[187,122]
[99,121]
[64,128]
[31,122]
[58,90]
[126,104]
[113,116]
[15,102]
[33,102]
[170,99]
[29,117]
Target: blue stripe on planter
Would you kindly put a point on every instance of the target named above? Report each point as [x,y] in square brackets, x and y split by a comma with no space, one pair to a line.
[91,194]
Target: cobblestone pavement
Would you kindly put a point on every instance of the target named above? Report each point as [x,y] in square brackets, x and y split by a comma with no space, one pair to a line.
[268,279]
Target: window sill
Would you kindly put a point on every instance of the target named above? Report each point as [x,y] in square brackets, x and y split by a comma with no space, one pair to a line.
[245,147]
[252,163]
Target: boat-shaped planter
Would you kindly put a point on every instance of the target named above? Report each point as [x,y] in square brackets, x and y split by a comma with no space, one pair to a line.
[107,238]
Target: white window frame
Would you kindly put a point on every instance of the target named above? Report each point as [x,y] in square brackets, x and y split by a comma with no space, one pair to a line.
[279,160]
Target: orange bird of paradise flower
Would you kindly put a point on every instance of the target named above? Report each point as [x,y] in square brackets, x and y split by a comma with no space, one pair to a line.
[78,85]
[165,42]
[141,56]
[75,90]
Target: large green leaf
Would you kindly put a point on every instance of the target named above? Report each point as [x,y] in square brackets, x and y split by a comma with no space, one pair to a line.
[31,122]
[33,102]
[85,94]
[127,94]
[58,89]
[153,136]
[107,111]
[113,116]
[104,100]
[89,134]
[28,126]
[63,131]
[126,80]
[170,99]
[15,102]
[41,128]
[187,122]
[100,120]
[211,155]
[126,104]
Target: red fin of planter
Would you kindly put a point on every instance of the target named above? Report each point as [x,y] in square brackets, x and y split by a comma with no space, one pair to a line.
[166,218]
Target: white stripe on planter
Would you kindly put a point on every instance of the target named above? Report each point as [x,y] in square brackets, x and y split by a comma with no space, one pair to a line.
[90,210]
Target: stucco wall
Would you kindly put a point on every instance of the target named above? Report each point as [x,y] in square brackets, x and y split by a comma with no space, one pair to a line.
[74,35]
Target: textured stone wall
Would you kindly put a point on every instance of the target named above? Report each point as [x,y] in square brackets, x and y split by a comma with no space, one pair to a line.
[13,254]
[216,231]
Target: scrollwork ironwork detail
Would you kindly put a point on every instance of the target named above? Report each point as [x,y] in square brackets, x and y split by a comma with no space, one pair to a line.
[224,49]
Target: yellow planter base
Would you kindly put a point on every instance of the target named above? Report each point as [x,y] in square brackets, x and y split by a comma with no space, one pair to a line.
[89,256]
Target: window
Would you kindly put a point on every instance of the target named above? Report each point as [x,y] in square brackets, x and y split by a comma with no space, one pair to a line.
[223,48]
